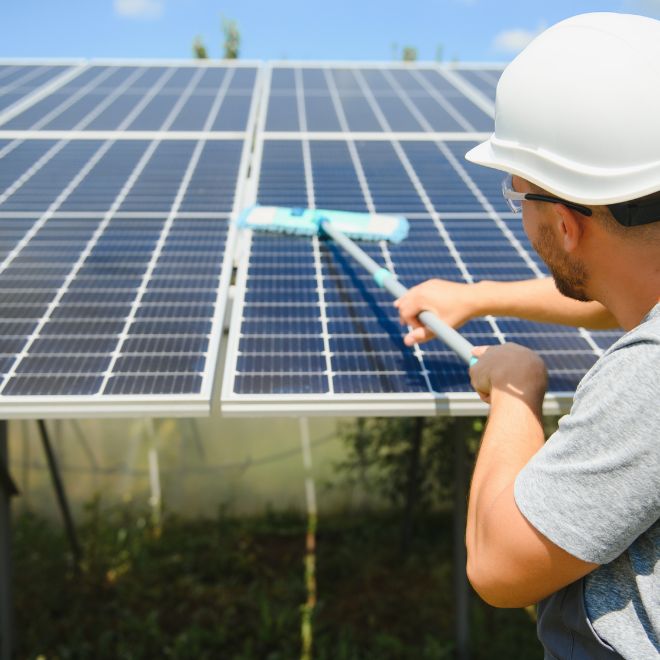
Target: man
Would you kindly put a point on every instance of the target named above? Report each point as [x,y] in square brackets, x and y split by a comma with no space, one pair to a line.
[572,523]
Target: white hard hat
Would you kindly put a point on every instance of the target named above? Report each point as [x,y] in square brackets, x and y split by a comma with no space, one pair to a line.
[578,111]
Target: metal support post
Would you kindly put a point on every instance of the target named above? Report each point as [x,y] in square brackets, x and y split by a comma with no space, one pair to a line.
[61,496]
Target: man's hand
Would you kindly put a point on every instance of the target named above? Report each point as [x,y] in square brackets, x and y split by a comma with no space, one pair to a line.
[452,302]
[510,369]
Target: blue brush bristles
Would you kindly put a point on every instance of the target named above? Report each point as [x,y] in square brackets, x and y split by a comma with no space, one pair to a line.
[309,222]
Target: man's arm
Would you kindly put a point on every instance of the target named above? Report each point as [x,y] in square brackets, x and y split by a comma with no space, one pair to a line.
[535,300]
[510,563]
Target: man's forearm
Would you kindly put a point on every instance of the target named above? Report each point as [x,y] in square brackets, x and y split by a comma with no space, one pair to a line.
[513,435]
[539,300]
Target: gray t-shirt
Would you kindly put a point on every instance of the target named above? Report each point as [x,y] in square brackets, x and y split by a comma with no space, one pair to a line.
[594,490]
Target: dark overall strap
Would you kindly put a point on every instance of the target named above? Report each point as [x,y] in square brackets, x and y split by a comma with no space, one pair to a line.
[565,630]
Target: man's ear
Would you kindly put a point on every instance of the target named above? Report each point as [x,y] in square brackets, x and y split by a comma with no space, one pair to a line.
[569,226]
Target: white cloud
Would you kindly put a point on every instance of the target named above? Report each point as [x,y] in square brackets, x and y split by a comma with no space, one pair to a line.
[139,8]
[514,40]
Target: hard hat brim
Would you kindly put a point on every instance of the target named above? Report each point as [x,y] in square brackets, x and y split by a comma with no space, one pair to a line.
[552,175]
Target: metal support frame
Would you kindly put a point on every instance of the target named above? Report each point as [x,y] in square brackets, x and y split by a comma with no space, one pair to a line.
[61,496]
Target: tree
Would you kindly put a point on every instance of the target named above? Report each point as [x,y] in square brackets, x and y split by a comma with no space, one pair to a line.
[407,460]
[232,38]
[199,49]
[409,54]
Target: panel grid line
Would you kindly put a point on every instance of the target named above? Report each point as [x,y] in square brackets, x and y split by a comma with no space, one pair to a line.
[74,98]
[316,249]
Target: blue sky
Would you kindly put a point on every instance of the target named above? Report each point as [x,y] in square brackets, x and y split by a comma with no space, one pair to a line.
[469,30]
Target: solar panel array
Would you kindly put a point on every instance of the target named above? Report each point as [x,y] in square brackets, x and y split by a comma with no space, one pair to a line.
[116,190]
[311,333]
[117,185]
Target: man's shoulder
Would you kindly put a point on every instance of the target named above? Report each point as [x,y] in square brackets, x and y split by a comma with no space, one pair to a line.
[647,332]
[633,353]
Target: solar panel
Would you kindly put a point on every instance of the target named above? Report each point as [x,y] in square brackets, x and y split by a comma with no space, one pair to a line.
[311,333]
[116,253]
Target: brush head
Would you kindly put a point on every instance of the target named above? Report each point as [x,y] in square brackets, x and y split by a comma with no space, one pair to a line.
[309,222]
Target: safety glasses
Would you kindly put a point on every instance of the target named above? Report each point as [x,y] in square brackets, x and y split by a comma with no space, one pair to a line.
[515,199]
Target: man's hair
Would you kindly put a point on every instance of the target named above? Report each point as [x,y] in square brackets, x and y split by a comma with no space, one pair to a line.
[648,232]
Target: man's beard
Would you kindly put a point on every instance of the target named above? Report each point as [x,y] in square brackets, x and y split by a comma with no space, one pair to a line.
[570,275]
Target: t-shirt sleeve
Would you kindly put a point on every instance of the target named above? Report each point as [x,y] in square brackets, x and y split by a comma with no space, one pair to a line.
[594,486]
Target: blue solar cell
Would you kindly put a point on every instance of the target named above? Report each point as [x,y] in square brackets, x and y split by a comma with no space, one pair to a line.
[478,120]
[442,183]
[165,345]
[170,327]
[379,383]
[391,188]
[485,80]
[293,343]
[281,326]
[282,113]
[162,384]
[57,385]
[336,183]
[233,113]
[282,178]
[605,338]
[281,363]
[45,186]
[564,381]
[447,373]
[158,183]
[63,364]
[89,311]
[171,311]
[381,361]
[487,180]
[258,383]
[162,364]
[82,327]
[320,113]
[359,114]
[214,179]
[11,345]
[64,345]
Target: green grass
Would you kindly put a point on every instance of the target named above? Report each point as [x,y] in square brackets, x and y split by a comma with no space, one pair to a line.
[235,588]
